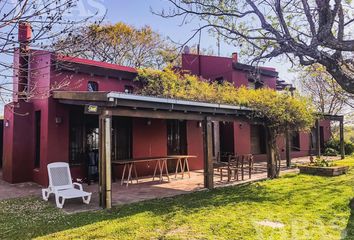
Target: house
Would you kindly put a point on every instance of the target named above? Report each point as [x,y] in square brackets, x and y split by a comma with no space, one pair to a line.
[70,98]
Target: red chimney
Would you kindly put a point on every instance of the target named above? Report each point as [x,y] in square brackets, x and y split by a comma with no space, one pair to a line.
[24,35]
[234,57]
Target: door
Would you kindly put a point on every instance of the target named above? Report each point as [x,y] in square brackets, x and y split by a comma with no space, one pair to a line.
[176,140]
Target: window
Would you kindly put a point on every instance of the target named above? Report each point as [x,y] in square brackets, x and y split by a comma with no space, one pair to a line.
[295,141]
[220,80]
[122,138]
[92,86]
[83,136]
[258,140]
[128,89]
[176,137]
[76,138]
[37,157]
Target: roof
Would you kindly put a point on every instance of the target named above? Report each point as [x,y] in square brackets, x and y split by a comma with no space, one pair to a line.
[96,63]
[95,67]
[119,100]
[262,70]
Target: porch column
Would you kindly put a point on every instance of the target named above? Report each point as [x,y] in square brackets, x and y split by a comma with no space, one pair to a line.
[341,138]
[208,154]
[105,171]
[287,149]
[318,139]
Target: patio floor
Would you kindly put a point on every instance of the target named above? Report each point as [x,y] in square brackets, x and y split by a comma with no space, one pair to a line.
[144,190]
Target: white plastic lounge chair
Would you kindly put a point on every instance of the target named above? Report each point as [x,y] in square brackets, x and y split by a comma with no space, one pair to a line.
[61,185]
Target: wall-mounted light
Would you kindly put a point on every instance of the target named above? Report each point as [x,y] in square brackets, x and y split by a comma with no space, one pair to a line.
[58,120]
[199,124]
[148,122]
[7,123]
[240,125]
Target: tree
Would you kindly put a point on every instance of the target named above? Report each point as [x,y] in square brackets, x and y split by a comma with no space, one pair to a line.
[119,44]
[47,20]
[281,112]
[325,92]
[306,32]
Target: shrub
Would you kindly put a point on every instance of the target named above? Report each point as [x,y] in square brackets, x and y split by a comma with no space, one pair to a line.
[335,144]
[322,162]
[330,152]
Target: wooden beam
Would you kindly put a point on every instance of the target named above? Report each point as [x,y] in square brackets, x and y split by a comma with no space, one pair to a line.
[318,139]
[287,148]
[208,154]
[141,113]
[341,138]
[105,173]
[81,96]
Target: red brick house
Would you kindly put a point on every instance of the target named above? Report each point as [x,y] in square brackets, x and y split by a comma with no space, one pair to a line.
[53,128]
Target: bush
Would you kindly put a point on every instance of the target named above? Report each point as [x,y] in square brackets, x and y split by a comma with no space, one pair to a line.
[330,152]
[322,162]
[335,144]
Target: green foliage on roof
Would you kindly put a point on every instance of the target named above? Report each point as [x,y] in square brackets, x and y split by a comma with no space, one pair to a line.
[281,110]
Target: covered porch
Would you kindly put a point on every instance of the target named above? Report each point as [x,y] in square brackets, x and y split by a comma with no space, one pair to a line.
[110,105]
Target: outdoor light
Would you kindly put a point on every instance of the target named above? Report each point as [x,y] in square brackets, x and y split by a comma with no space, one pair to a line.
[148,122]
[58,120]
[240,125]
[7,123]
[199,124]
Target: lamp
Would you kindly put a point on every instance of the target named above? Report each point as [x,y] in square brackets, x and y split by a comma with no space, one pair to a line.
[58,120]
[199,124]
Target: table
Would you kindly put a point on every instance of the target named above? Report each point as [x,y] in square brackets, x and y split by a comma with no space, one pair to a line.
[160,166]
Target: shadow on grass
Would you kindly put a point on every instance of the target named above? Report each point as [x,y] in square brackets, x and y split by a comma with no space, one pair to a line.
[31,217]
[349,230]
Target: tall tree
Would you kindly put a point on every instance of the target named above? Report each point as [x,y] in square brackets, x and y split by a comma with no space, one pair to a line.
[306,32]
[120,44]
[326,94]
[47,19]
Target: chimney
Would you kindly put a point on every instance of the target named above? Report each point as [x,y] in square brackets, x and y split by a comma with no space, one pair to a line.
[234,57]
[24,37]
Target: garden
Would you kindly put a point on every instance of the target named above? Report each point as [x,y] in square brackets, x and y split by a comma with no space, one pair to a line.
[294,206]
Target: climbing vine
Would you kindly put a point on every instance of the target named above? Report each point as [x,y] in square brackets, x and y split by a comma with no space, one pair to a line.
[281,111]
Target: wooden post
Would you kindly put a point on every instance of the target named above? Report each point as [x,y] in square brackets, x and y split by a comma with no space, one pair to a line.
[287,149]
[208,154]
[341,138]
[318,139]
[271,155]
[105,171]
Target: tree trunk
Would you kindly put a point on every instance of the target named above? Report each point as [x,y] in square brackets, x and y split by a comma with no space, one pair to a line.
[273,162]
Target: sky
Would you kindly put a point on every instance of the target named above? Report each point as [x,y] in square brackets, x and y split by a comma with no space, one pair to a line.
[139,13]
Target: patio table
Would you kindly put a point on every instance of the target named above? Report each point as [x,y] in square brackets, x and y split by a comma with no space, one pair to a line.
[160,166]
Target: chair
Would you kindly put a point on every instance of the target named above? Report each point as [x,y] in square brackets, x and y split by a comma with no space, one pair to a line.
[61,185]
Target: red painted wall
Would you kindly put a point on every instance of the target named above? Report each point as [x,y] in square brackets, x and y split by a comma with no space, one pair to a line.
[148,140]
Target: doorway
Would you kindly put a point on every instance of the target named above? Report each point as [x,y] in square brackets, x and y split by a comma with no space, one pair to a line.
[176,140]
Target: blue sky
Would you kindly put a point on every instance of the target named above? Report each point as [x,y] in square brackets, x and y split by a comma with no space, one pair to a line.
[138,13]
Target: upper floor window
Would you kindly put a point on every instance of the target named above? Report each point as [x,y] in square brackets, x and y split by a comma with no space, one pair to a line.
[252,84]
[128,89]
[295,141]
[220,80]
[92,86]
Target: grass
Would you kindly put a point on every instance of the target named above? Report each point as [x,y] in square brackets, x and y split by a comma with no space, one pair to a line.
[310,207]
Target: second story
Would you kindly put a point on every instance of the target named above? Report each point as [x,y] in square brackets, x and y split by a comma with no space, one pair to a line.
[229,69]
[39,71]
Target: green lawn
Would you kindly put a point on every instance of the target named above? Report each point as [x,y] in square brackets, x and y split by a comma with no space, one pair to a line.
[309,207]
